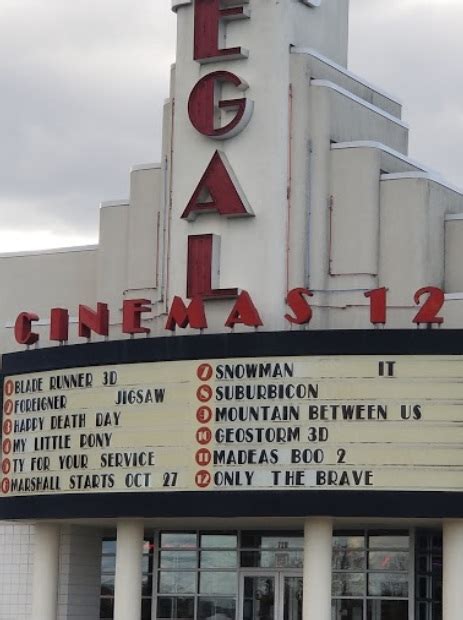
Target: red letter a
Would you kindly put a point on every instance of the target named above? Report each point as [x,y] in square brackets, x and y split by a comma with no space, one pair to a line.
[218,191]
[244,312]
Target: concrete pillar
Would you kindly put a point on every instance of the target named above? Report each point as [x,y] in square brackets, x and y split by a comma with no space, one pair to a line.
[127,587]
[318,536]
[46,572]
[453,570]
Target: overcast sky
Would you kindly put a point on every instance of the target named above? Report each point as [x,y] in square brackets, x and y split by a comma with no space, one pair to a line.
[83,83]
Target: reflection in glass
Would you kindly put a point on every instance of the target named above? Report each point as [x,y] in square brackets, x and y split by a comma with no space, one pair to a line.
[171,607]
[259,598]
[147,585]
[428,576]
[107,585]
[388,584]
[146,609]
[348,559]
[437,611]
[421,611]
[348,584]
[216,608]
[347,610]
[271,559]
[387,610]
[388,542]
[219,541]
[348,542]
[437,586]
[178,560]
[108,563]
[145,563]
[422,582]
[178,539]
[177,582]
[108,546]
[422,563]
[219,559]
[106,608]
[256,540]
[388,560]
[293,599]
[215,582]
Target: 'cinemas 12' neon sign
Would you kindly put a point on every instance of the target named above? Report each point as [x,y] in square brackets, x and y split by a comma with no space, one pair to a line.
[193,314]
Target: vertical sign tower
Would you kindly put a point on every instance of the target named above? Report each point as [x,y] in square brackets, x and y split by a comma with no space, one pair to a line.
[232,148]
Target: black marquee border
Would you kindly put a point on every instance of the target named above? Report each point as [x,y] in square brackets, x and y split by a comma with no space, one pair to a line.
[295,503]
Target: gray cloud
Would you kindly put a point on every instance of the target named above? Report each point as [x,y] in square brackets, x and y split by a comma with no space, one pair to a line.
[83,86]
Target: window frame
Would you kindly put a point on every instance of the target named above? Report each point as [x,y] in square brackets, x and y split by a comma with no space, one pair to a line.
[154,562]
[366,549]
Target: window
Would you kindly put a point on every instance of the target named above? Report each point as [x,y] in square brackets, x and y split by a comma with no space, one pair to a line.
[371,575]
[428,580]
[275,550]
[197,575]
[108,571]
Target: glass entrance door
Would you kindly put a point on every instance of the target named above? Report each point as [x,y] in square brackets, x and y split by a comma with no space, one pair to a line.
[258,597]
[271,596]
[292,597]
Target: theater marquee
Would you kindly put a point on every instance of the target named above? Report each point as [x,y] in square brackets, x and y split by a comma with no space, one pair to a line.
[234,424]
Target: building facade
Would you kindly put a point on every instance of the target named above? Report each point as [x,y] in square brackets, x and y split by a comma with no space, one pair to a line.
[244,403]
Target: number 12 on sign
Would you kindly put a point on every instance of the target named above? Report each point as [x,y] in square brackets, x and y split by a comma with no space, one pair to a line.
[431,298]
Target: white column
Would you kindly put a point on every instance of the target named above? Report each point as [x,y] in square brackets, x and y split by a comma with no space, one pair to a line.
[453,570]
[127,588]
[46,572]
[318,535]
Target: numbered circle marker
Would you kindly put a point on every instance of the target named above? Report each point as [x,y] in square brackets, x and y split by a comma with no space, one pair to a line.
[203,479]
[204,415]
[204,435]
[9,388]
[203,457]
[6,446]
[7,427]
[204,393]
[204,372]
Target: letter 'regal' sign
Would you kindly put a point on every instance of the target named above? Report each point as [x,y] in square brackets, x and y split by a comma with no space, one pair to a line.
[218,190]
[217,117]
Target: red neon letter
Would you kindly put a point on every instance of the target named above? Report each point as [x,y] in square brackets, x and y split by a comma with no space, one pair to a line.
[59,324]
[208,30]
[132,309]
[298,303]
[244,312]
[204,106]
[182,316]
[218,191]
[91,321]
[378,305]
[23,328]
[431,307]
[203,268]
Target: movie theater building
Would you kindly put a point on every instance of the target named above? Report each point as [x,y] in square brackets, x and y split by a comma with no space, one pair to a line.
[246,401]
